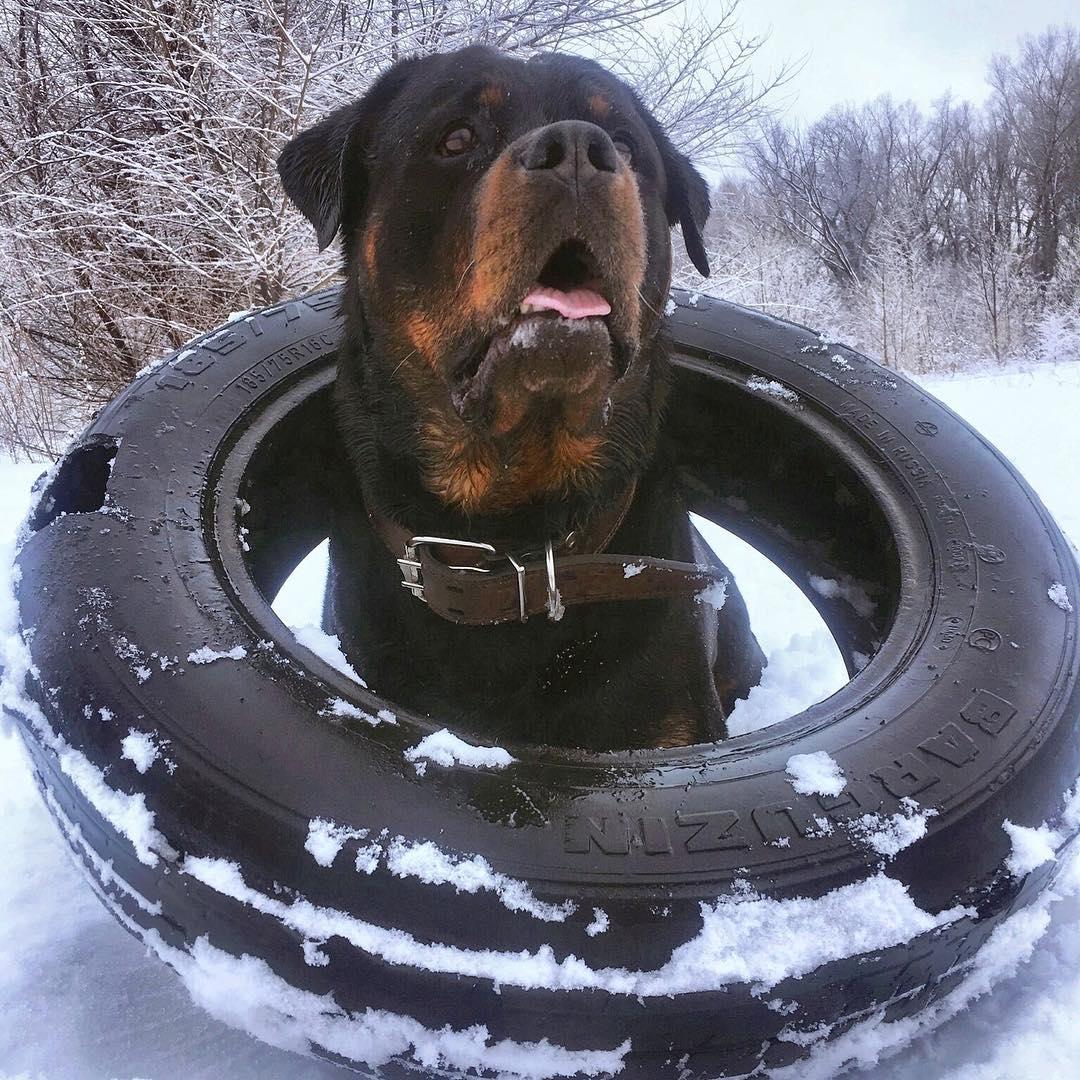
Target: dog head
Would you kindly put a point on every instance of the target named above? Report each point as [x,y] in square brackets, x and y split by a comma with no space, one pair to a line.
[506,228]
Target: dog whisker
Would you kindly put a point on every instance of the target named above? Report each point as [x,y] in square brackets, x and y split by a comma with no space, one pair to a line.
[464,272]
[403,359]
[647,304]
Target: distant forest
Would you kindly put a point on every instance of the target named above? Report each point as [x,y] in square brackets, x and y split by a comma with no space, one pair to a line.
[931,242]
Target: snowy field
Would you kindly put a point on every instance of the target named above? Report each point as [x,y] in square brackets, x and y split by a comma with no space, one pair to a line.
[81,999]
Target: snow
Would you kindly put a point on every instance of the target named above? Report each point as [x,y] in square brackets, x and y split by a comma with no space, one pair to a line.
[340,707]
[140,748]
[715,595]
[888,835]
[430,864]
[81,999]
[206,655]
[815,774]
[600,922]
[326,838]
[844,589]
[771,388]
[444,748]
[1031,847]
[1059,595]
[633,569]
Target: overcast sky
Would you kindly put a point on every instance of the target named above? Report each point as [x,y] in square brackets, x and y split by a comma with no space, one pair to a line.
[917,49]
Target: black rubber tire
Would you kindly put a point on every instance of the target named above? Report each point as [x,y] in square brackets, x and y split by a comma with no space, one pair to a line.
[969,704]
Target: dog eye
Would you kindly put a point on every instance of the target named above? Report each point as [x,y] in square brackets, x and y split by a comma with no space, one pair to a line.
[459,140]
[624,148]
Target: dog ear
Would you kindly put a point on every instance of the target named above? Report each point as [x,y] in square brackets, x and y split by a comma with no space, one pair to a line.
[316,165]
[688,201]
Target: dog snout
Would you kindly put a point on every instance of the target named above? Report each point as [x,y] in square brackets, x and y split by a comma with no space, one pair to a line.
[575,152]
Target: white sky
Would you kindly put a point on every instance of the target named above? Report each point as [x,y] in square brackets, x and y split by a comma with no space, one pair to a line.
[917,49]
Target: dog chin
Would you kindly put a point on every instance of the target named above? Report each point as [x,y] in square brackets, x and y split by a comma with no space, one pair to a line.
[540,364]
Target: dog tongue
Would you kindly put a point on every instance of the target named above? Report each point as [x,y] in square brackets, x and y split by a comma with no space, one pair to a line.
[575,304]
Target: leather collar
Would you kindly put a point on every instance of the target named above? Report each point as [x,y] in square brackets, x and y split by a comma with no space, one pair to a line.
[482,584]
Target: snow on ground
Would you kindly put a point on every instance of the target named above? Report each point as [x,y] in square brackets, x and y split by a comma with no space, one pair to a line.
[80,998]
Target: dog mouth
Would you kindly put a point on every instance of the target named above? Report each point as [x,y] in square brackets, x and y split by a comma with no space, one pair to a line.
[558,334]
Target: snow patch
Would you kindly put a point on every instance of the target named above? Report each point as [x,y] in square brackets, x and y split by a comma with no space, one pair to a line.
[433,866]
[245,993]
[600,922]
[714,594]
[326,838]
[140,748]
[341,707]
[206,655]
[889,835]
[771,388]
[327,647]
[815,774]
[1059,595]
[633,569]
[744,938]
[844,588]
[1031,847]
[444,748]
[796,676]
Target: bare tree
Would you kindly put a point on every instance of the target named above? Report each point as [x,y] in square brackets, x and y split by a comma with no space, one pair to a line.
[139,201]
[1037,100]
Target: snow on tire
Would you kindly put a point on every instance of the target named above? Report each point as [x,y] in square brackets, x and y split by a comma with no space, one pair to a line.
[259,819]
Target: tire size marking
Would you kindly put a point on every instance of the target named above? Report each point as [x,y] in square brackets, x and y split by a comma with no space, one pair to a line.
[193,360]
[258,374]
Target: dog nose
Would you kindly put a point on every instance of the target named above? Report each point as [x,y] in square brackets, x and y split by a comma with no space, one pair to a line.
[575,151]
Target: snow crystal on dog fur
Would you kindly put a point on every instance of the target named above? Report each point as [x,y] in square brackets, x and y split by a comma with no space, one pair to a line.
[1060,596]
[760,385]
[446,749]
[140,748]
[206,655]
[1031,847]
[815,774]
[844,589]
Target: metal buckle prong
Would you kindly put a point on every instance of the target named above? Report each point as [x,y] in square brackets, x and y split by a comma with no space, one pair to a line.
[410,564]
[556,608]
[520,569]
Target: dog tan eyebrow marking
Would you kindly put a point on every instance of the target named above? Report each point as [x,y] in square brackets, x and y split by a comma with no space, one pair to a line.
[599,105]
[492,95]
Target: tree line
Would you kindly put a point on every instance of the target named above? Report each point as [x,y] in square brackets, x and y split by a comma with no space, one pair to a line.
[930,240]
[139,203]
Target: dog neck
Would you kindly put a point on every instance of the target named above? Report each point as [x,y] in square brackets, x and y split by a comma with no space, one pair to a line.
[378,421]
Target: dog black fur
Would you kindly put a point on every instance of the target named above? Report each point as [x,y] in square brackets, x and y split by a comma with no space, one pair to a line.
[459,183]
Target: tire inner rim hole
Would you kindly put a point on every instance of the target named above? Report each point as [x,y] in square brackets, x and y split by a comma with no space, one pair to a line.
[804,531]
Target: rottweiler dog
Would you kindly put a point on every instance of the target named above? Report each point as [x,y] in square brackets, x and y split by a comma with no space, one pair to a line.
[506,227]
